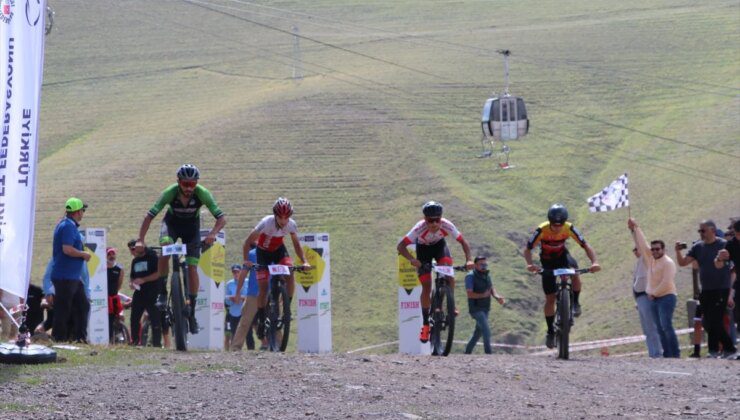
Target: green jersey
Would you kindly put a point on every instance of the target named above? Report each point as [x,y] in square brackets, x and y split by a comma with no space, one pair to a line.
[185,212]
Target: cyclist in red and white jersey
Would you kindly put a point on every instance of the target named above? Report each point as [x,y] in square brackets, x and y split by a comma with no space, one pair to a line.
[429,236]
[268,235]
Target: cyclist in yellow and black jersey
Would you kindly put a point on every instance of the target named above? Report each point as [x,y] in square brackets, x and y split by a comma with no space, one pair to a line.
[551,237]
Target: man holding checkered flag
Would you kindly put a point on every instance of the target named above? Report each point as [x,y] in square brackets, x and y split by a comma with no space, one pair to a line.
[612,197]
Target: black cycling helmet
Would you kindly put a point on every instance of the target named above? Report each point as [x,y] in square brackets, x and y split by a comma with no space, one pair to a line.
[557,214]
[432,209]
[188,172]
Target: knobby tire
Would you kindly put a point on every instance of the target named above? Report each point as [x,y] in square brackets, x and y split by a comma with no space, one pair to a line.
[180,327]
[564,314]
[443,317]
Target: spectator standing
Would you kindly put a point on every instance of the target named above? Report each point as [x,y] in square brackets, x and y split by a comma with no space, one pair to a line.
[660,289]
[115,280]
[144,280]
[233,302]
[731,253]
[639,285]
[715,286]
[66,274]
[249,309]
[480,289]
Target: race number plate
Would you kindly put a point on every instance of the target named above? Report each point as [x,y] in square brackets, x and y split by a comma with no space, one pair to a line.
[174,249]
[564,272]
[279,270]
[445,270]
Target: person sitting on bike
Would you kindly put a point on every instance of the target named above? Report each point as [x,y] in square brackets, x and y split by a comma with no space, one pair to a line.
[268,235]
[551,237]
[115,280]
[429,236]
[185,197]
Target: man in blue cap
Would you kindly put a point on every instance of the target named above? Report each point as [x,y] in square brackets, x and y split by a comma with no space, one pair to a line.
[69,258]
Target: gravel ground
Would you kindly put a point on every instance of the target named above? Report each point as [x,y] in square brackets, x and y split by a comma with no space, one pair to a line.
[279,386]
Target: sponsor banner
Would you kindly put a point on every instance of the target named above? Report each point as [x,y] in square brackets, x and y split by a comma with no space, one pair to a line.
[94,240]
[313,296]
[209,309]
[21,70]
[409,308]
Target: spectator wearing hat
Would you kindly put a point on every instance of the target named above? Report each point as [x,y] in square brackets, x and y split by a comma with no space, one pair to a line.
[115,280]
[69,259]
[234,302]
[715,287]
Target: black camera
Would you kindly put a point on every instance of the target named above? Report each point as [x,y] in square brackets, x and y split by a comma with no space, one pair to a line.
[682,245]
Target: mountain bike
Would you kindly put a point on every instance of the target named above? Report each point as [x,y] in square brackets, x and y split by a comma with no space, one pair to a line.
[175,309]
[276,324]
[442,314]
[564,319]
[119,333]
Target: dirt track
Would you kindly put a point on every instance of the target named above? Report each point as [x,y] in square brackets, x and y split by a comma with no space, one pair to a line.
[265,385]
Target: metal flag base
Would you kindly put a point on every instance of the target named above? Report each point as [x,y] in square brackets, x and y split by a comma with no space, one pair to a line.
[31,354]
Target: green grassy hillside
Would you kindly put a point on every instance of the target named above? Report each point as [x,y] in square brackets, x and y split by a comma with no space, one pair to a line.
[387,117]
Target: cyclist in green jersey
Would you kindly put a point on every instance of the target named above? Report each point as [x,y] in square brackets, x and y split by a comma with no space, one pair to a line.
[182,220]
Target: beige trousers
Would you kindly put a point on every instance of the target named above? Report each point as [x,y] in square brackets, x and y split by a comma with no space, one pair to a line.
[249,310]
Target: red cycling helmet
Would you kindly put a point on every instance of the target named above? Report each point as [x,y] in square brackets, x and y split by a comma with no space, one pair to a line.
[282,207]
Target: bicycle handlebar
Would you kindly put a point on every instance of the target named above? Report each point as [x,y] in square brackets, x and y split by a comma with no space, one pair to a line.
[454,267]
[266,267]
[544,271]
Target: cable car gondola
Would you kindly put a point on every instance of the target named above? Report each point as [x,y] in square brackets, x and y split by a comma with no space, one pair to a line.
[505,116]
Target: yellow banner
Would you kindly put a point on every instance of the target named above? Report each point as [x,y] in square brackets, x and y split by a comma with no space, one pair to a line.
[92,265]
[212,262]
[313,276]
[407,276]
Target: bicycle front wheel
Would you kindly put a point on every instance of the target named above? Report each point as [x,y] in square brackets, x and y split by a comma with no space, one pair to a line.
[179,326]
[564,324]
[278,318]
[443,322]
[120,333]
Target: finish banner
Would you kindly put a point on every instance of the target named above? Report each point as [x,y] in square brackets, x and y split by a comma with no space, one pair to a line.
[409,308]
[209,309]
[97,325]
[313,292]
[21,70]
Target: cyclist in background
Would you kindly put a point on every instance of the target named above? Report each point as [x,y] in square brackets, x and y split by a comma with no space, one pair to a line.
[269,234]
[185,198]
[551,237]
[429,236]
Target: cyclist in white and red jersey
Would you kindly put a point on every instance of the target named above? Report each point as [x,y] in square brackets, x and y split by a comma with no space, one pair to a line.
[268,235]
[429,236]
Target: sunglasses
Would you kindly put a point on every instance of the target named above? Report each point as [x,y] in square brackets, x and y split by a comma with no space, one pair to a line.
[434,220]
[656,249]
[189,184]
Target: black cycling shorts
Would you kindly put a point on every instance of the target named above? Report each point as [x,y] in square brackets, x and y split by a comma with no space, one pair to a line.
[188,233]
[549,285]
[426,253]
[231,323]
[265,257]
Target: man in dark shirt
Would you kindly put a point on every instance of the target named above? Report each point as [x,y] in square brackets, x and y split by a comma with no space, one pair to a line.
[731,253]
[144,280]
[480,289]
[715,286]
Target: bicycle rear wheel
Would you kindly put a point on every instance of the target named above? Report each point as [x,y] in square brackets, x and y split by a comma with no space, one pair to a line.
[120,333]
[443,322]
[563,324]
[179,327]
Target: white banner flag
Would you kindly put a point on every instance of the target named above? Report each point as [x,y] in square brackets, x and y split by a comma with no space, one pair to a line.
[22,54]
[614,196]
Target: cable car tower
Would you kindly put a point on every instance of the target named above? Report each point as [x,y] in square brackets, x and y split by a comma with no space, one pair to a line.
[504,118]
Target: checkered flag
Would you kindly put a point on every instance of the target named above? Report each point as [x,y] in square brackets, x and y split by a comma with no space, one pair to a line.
[614,196]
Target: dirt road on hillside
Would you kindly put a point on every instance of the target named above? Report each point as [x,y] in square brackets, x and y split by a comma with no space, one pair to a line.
[279,386]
